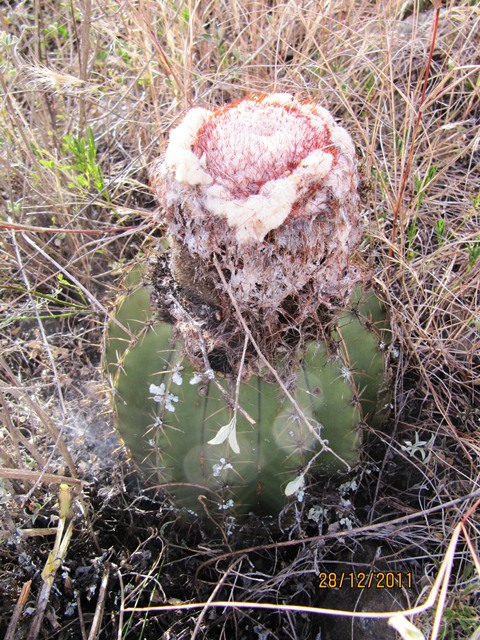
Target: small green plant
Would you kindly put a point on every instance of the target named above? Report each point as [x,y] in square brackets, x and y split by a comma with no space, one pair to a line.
[421,184]
[464,618]
[412,229]
[473,251]
[56,31]
[80,167]
[440,231]
[475,201]
[87,173]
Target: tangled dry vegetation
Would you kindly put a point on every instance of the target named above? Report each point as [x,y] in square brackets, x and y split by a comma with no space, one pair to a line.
[89,92]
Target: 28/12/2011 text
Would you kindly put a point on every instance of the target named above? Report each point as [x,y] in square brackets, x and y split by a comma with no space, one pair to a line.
[364,580]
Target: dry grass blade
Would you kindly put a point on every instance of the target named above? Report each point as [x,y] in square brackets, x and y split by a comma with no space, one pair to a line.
[99,611]
[36,476]
[17,612]
[55,559]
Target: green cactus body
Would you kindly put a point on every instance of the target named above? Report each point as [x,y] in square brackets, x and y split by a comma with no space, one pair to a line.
[167,427]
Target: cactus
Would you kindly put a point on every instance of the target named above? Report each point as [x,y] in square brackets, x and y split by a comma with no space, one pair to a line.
[253,355]
[167,422]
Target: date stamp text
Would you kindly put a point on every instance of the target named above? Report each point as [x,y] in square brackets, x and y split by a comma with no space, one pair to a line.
[364,580]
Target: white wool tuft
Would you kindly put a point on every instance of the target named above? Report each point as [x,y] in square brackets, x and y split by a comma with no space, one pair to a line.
[342,179]
[255,216]
[323,116]
[342,140]
[188,168]
[183,136]
[317,164]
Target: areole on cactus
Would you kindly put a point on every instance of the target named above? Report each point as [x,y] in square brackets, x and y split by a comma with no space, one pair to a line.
[254,355]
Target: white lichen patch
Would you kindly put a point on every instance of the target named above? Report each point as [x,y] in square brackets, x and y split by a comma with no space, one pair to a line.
[196,378]
[220,467]
[177,374]
[316,513]
[163,397]
[229,504]
[296,487]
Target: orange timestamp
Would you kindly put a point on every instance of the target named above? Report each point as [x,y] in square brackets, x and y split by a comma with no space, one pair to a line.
[364,580]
